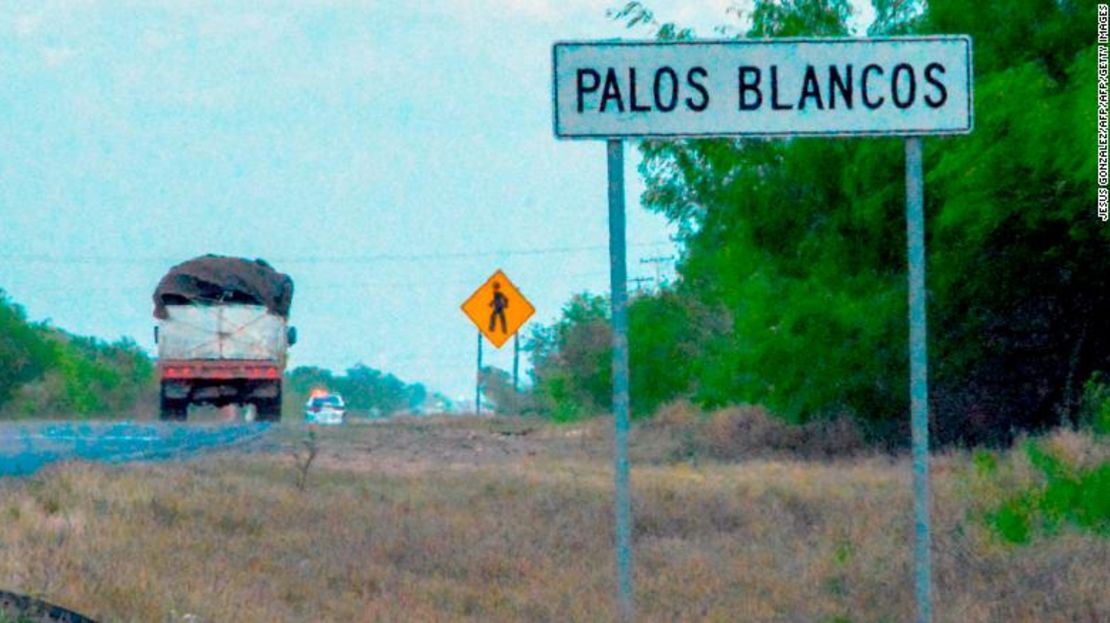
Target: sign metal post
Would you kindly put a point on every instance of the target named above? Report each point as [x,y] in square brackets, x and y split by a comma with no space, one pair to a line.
[919,393]
[618,284]
[478,380]
[516,362]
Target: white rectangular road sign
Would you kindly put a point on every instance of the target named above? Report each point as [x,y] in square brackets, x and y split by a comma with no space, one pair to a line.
[771,87]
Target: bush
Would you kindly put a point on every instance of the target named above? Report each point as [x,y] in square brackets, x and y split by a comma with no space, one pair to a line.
[747,432]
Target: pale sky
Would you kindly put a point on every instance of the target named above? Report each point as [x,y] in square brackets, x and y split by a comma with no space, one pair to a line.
[388,155]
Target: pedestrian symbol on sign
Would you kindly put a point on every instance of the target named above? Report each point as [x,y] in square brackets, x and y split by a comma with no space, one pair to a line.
[499,303]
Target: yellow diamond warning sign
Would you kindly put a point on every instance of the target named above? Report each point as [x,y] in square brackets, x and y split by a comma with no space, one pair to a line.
[498,309]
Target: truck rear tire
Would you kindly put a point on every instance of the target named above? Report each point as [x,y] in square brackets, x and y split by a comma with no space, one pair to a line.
[174,404]
[268,409]
[174,410]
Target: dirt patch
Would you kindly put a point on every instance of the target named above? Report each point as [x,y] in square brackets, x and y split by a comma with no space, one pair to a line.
[409,445]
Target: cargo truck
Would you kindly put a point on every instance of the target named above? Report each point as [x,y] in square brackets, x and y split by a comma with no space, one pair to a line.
[222,334]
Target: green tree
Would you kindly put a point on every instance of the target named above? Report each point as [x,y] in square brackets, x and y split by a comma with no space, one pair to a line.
[24,354]
[571,365]
[801,240]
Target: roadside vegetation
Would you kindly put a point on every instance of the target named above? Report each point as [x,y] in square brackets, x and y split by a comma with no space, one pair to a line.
[508,520]
[48,372]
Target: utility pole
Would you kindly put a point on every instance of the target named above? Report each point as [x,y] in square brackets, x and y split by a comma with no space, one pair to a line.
[640,281]
[658,260]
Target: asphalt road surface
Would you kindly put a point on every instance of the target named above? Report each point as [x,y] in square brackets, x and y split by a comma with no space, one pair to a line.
[27,447]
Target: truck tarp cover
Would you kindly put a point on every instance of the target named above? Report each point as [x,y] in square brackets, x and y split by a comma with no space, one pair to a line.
[212,279]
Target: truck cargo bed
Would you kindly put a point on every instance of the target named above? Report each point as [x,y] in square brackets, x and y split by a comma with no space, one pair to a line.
[221,333]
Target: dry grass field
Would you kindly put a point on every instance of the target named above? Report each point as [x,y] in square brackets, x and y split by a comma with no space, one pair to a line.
[497,520]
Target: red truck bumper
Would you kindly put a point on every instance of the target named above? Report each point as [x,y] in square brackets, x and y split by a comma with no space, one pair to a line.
[219,370]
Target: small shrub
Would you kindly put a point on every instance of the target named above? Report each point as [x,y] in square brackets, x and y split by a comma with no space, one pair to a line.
[1065,495]
[1012,520]
[679,414]
[986,463]
[1094,408]
[304,456]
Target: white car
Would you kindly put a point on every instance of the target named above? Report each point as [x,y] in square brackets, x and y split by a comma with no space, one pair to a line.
[323,408]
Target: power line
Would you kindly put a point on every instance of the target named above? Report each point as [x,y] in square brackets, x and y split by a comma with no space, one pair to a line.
[308,259]
[304,284]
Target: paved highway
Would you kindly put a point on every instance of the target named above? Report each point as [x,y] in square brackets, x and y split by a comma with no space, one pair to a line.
[27,447]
